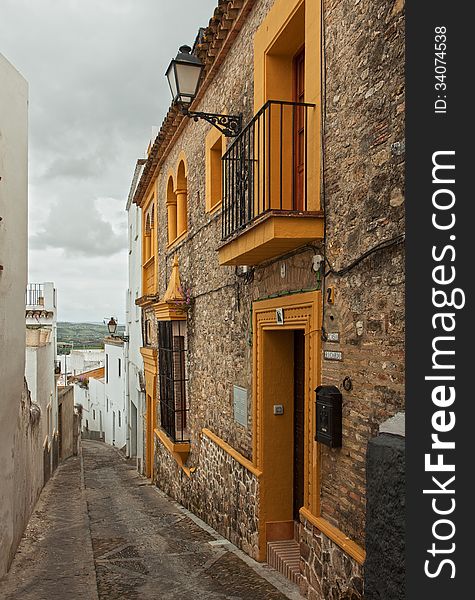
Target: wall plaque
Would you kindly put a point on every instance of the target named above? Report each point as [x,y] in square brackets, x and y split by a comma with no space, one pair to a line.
[333,336]
[332,355]
[240,405]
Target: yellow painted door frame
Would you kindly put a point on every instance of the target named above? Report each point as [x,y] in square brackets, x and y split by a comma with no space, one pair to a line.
[150,369]
[272,383]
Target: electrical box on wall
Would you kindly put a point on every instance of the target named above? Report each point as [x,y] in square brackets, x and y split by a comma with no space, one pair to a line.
[328,415]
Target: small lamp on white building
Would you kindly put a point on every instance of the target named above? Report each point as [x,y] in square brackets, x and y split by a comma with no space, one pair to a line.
[112,327]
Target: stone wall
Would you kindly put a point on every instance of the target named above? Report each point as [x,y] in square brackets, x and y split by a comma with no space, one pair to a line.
[327,571]
[218,326]
[27,460]
[362,193]
[220,491]
[364,199]
[219,329]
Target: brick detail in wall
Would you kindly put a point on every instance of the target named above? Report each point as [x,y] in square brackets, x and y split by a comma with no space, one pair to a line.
[364,196]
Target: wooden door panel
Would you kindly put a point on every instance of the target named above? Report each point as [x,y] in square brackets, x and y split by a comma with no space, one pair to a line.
[299,130]
[299,427]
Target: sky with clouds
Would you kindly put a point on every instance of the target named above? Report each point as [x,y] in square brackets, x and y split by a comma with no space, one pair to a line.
[96,87]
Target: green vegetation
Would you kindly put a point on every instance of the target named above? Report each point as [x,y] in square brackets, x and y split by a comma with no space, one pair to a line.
[83,335]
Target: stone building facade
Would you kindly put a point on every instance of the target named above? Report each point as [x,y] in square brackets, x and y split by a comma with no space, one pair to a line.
[256,297]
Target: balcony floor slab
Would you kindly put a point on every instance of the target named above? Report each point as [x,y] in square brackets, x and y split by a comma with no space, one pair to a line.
[272,235]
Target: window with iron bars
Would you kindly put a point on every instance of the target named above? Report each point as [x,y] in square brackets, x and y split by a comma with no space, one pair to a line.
[173,381]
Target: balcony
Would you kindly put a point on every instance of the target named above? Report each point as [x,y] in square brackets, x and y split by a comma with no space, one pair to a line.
[270,205]
[35,295]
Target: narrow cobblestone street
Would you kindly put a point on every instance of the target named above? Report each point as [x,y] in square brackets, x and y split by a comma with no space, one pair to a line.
[100,531]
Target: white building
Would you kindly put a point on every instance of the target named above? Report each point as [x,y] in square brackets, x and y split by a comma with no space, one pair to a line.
[17,492]
[102,394]
[80,361]
[81,398]
[115,421]
[134,371]
[89,393]
[76,361]
[97,405]
[40,368]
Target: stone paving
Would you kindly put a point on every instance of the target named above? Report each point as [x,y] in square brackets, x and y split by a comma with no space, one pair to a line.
[54,559]
[104,533]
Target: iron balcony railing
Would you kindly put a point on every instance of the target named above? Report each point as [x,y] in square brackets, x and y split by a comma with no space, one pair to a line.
[265,168]
[35,295]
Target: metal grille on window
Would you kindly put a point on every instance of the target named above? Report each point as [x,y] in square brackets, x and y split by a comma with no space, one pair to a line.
[173,382]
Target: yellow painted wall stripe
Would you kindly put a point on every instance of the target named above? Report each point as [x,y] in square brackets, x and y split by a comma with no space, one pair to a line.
[335,535]
[247,464]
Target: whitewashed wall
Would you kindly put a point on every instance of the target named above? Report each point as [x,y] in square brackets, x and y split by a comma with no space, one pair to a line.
[80,361]
[115,418]
[15,495]
[136,400]
[97,404]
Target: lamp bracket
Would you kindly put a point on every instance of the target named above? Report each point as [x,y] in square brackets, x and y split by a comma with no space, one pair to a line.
[229,125]
[124,338]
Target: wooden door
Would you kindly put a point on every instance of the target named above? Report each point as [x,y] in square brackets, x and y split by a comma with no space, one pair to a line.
[149,439]
[299,131]
[299,427]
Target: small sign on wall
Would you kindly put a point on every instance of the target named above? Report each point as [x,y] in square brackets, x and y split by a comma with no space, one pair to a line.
[332,355]
[279,316]
[240,405]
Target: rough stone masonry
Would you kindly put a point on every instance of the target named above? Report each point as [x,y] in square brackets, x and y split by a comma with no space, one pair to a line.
[363,198]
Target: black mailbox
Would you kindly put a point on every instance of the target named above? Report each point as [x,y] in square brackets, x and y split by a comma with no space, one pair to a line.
[329,402]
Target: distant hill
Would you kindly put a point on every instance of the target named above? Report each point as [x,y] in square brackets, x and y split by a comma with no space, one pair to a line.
[83,335]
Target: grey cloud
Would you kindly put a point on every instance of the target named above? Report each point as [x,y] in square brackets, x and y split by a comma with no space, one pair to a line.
[89,288]
[73,167]
[96,88]
[78,229]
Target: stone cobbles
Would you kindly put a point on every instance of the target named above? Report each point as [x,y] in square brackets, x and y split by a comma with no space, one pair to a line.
[117,538]
[54,560]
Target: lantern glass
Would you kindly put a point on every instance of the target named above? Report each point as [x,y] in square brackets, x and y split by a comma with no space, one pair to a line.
[171,76]
[183,76]
[188,76]
[112,326]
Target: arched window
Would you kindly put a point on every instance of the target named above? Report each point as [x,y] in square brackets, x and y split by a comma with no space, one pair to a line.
[181,192]
[171,210]
[147,239]
[177,205]
[152,231]
[149,247]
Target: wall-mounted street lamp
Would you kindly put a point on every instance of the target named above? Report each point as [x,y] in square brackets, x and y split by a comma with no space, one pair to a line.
[112,327]
[183,76]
